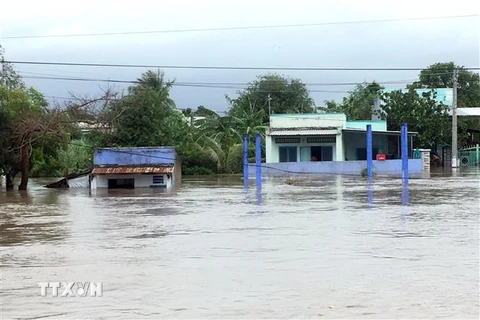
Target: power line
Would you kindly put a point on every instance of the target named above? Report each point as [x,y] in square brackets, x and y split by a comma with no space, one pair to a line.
[193,85]
[302,25]
[80,64]
[236,83]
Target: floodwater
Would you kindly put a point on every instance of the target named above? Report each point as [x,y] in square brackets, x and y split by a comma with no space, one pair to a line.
[323,248]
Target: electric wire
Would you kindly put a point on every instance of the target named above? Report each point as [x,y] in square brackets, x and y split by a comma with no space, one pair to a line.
[83,64]
[300,25]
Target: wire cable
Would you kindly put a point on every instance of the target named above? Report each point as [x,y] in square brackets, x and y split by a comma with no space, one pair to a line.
[301,25]
[241,84]
[220,67]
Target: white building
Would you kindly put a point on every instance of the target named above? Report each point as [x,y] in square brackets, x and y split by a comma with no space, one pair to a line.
[327,137]
[128,168]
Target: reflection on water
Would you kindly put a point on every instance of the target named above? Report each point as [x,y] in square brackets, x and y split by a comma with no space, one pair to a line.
[405,193]
[330,247]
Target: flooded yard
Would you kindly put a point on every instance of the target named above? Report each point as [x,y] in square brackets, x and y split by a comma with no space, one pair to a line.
[299,248]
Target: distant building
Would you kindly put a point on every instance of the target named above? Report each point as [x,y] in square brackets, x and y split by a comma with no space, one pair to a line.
[87,127]
[128,168]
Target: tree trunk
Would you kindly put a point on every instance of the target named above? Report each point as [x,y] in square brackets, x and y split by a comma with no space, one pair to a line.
[25,167]
[9,181]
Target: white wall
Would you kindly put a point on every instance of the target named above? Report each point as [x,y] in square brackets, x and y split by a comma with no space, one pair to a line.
[79,182]
[308,120]
[141,180]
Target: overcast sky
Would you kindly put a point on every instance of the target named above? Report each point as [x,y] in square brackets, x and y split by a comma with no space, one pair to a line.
[414,43]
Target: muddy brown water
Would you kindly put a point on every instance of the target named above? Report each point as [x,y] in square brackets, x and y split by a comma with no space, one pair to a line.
[300,248]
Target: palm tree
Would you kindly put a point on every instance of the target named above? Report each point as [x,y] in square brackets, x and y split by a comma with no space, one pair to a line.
[221,142]
[154,81]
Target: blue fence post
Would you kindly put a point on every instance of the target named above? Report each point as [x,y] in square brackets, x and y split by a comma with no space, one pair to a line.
[369,152]
[404,143]
[258,160]
[245,161]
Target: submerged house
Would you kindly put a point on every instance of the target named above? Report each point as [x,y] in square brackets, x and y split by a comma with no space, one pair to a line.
[326,143]
[328,137]
[128,168]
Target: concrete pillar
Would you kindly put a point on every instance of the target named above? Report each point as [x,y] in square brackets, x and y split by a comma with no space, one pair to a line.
[369,151]
[339,154]
[268,149]
[258,160]
[425,156]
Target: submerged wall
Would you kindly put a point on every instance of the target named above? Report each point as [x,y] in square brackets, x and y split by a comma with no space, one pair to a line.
[382,168]
[140,180]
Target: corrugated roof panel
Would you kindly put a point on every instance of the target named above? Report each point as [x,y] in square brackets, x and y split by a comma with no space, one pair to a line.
[302,132]
[133,170]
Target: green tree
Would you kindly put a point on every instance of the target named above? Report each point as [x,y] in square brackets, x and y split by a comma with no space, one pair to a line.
[422,114]
[9,78]
[222,143]
[205,112]
[284,95]
[26,123]
[358,105]
[146,116]
[75,157]
[440,75]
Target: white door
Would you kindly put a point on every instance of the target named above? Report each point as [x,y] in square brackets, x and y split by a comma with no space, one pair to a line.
[305,154]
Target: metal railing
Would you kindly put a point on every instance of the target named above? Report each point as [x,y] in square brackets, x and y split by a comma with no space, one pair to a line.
[469,156]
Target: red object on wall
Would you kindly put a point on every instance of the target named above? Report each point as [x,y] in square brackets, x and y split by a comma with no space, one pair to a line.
[381,156]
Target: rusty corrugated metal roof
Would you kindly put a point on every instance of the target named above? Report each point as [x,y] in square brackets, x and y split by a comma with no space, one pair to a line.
[132,170]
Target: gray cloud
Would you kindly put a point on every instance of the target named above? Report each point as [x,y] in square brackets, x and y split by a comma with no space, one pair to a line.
[396,44]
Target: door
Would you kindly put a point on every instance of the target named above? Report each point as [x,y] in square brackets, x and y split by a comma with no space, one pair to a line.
[327,154]
[305,154]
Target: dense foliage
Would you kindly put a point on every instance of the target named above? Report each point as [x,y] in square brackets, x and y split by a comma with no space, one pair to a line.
[422,114]
[359,102]
[273,94]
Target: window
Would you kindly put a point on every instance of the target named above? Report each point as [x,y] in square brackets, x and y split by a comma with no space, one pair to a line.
[321,153]
[323,139]
[288,154]
[287,140]
[121,183]
[158,180]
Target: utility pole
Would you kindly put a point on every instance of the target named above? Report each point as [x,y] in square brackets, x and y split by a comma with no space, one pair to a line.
[2,71]
[269,107]
[454,121]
